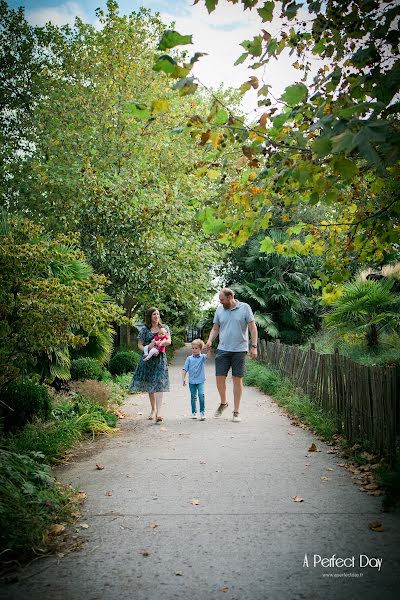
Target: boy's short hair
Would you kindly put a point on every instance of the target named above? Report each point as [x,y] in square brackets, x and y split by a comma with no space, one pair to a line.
[198,342]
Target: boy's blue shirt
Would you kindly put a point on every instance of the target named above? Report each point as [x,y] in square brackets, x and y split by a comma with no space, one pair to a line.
[194,365]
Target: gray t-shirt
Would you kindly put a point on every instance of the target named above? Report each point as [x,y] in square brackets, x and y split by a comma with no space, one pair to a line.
[233,327]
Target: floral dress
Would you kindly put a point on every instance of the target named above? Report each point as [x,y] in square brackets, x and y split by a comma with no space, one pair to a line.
[151,375]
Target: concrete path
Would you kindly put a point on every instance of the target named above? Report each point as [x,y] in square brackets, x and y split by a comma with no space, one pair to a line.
[246,539]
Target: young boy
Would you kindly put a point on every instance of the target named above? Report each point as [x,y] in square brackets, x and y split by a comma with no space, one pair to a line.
[194,365]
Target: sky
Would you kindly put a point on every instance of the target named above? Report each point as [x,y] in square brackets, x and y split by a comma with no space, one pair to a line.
[219,34]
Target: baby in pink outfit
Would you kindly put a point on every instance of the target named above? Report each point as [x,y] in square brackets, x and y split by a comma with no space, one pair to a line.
[155,351]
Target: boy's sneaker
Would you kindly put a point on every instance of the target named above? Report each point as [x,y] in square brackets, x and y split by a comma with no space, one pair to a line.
[236,418]
[202,416]
[220,410]
[194,416]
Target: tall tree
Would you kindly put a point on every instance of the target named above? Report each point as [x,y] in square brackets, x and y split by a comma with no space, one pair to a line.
[331,139]
[108,164]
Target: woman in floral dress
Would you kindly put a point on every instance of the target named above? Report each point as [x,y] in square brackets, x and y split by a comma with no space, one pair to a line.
[152,376]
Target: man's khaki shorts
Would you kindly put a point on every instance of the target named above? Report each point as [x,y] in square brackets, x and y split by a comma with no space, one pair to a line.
[224,360]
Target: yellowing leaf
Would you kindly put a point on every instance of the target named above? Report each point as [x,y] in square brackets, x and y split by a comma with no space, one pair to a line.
[159,106]
[297,499]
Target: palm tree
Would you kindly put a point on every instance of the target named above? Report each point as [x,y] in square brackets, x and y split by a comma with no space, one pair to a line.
[278,288]
[369,307]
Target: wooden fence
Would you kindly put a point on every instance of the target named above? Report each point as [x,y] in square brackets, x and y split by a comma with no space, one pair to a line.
[364,400]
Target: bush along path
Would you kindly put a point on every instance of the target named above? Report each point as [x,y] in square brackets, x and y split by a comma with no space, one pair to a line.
[216,509]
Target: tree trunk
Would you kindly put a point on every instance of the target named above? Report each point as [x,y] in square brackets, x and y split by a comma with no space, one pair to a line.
[372,337]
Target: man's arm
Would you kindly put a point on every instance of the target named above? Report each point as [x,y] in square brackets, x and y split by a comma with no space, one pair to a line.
[213,334]
[254,338]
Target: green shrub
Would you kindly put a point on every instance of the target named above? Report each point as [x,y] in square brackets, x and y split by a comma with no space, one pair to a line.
[86,368]
[22,401]
[124,362]
[31,501]
[72,419]
[52,439]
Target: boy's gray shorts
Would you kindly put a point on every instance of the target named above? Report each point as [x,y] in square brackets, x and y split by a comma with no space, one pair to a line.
[224,360]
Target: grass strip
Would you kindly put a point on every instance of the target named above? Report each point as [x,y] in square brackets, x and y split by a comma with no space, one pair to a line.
[286,395]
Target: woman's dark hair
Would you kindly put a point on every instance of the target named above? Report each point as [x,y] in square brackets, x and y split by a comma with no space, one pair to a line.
[147,318]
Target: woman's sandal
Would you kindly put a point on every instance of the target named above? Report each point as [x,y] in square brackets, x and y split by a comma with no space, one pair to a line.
[151,416]
[159,420]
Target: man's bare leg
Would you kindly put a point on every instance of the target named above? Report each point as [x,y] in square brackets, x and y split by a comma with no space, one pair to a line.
[221,387]
[237,392]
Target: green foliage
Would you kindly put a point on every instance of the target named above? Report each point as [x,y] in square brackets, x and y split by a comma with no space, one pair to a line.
[31,500]
[107,162]
[124,362]
[51,302]
[72,420]
[86,368]
[289,397]
[367,307]
[52,439]
[278,287]
[99,347]
[21,401]
[331,140]
[354,346]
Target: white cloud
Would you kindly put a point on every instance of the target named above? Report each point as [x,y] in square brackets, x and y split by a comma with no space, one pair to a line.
[61,14]
[220,34]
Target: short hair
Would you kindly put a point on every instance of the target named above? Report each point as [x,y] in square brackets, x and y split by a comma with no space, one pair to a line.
[227,291]
[199,342]
[147,318]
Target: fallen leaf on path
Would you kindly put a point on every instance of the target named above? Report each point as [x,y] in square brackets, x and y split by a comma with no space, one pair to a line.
[329,469]
[313,448]
[84,526]
[223,589]
[195,501]
[56,529]
[324,478]
[331,452]
[376,526]
[99,467]
[79,497]
[109,493]
[179,573]
[155,498]
[153,525]
[170,440]
[371,486]
[202,462]
[139,413]
[297,499]
[120,414]
[145,553]
[163,429]
[341,464]
[291,433]
[307,465]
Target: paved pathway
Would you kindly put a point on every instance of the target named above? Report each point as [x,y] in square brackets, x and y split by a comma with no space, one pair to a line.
[245,540]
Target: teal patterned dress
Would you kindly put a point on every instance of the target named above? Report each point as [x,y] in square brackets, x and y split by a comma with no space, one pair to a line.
[151,375]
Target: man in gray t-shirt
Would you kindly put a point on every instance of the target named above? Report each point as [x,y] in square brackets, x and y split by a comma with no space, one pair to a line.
[232,322]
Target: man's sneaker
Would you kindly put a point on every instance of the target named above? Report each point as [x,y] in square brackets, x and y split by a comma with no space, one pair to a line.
[220,410]
[236,418]
[202,416]
[194,416]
